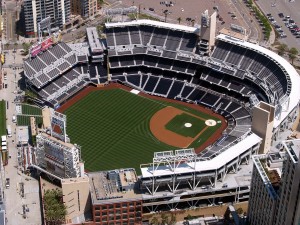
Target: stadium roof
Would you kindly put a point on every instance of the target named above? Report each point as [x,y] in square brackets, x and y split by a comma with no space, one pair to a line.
[294,96]
[153,23]
[93,39]
[209,165]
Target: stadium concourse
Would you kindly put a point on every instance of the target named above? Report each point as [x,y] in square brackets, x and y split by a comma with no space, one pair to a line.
[176,62]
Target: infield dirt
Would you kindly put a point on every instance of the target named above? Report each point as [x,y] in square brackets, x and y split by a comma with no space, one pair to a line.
[158,124]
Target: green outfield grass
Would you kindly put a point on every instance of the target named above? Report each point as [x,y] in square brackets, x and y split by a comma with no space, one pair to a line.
[177,125]
[31,110]
[2,117]
[112,127]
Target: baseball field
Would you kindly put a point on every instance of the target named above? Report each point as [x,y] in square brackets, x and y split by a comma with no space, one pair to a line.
[119,129]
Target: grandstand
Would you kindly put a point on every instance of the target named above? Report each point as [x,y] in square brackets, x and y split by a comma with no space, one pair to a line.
[56,74]
[166,60]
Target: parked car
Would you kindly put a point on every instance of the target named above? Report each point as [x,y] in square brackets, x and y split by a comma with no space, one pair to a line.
[283,35]
[280,15]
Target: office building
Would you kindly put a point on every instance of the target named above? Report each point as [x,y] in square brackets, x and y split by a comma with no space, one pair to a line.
[275,187]
[84,8]
[37,10]
[115,197]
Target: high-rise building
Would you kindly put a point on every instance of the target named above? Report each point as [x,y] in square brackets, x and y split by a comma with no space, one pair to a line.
[85,8]
[36,10]
[275,187]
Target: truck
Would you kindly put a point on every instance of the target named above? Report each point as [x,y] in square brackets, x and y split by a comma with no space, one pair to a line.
[8,128]
[7,183]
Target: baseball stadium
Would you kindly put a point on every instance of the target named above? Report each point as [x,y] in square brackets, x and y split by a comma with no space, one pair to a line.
[183,106]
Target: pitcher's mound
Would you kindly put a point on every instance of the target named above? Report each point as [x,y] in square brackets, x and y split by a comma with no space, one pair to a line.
[210,123]
[187,124]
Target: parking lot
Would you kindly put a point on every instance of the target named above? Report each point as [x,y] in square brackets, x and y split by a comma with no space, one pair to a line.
[288,9]
[190,11]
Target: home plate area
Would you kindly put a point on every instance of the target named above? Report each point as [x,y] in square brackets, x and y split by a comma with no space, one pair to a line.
[211,123]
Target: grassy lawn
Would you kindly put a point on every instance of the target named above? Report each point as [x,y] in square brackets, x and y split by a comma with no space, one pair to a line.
[112,127]
[23,120]
[31,110]
[177,125]
[2,117]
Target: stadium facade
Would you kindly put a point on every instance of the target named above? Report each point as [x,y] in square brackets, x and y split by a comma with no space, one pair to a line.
[176,62]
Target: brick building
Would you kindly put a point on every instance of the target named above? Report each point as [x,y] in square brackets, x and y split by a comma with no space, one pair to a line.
[115,197]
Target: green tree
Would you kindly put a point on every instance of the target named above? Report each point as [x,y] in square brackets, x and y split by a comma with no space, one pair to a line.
[193,22]
[55,209]
[173,219]
[282,48]
[26,47]
[293,53]
[164,219]
[154,221]
[239,211]
[7,45]
[179,19]
[189,217]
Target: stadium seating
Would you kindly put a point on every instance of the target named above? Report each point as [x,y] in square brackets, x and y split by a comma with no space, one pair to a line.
[163,86]
[175,89]
[210,99]
[151,83]
[121,36]
[134,80]
[134,35]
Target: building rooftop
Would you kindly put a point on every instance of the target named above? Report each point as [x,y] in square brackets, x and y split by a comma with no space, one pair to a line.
[267,174]
[75,180]
[113,186]
[93,39]
[293,149]
[23,134]
[212,164]
[68,145]
[153,23]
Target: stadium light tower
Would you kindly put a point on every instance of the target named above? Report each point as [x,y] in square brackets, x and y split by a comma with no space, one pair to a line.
[44,24]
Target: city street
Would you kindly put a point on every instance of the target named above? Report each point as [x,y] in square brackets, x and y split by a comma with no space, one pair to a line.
[13,199]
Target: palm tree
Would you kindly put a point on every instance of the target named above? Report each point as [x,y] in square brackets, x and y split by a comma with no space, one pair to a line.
[154,221]
[55,209]
[282,48]
[166,14]
[179,19]
[293,52]
[164,219]
[173,219]
[193,22]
